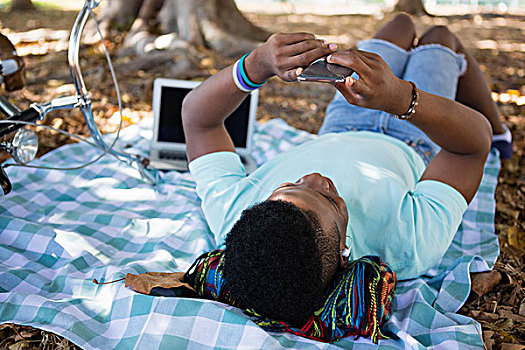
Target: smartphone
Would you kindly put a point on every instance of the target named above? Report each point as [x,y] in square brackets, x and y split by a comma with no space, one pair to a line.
[324,72]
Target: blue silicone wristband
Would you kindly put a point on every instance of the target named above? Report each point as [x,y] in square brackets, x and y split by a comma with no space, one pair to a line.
[247,80]
[242,81]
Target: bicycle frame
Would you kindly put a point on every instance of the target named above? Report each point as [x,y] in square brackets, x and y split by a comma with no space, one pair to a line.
[81,99]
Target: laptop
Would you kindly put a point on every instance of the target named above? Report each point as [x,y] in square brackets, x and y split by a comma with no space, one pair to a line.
[168,146]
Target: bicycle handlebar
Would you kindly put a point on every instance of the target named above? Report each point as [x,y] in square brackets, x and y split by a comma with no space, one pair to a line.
[80,100]
[9,66]
[74,49]
[29,115]
[85,102]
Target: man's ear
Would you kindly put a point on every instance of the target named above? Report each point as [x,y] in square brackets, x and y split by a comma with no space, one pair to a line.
[344,255]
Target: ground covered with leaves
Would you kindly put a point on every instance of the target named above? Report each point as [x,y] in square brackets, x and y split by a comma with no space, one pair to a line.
[498,298]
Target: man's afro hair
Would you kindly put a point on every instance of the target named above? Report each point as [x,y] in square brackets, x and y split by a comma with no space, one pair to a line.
[272,262]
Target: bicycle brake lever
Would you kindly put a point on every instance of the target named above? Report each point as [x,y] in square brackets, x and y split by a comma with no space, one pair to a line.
[4,182]
[148,175]
[64,102]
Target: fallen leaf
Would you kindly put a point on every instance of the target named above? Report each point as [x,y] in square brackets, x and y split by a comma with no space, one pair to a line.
[506,346]
[504,207]
[28,333]
[506,278]
[19,345]
[487,340]
[521,312]
[512,316]
[488,316]
[506,308]
[145,282]
[483,316]
[517,238]
[507,326]
[484,282]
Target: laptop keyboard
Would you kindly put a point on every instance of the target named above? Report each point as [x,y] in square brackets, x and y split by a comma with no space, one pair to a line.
[172,155]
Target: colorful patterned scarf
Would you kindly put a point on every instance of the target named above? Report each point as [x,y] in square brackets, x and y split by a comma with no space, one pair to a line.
[358,303]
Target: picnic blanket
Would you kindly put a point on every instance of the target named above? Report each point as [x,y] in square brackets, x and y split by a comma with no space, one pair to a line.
[59,230]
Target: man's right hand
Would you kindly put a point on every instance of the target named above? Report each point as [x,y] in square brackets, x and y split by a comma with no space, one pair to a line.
[463,133]
[282,54]
[377,87]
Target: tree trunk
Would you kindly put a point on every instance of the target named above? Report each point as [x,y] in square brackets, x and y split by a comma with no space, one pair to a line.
[217,24]
[121,13]
[232,20]
[19,5]
[182,18]
[226,30]
[413,7]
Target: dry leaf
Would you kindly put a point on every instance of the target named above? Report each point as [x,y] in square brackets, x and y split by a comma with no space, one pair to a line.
[506,346]
[19,345]
[511,315]
[484,282]
[145,282]
[483,316]
[516,238]
[514,296]
[487,316]
[521,312]
[506,278]
[506,208]
[487,340]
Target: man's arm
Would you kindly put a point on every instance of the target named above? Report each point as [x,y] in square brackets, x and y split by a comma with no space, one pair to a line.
[206,107]
[463,133]
[465,137]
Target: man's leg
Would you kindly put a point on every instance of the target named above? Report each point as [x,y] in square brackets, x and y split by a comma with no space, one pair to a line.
[391,42]
[472,88]
[400,31]
[435,69]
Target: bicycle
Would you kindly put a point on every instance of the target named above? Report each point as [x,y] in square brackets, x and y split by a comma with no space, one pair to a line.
[24,145]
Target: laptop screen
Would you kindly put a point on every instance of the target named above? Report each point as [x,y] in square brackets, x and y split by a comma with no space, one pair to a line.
[170,119]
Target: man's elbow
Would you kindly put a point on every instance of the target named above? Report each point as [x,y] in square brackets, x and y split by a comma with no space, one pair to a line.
[485,136]
[190,112]
[187,108]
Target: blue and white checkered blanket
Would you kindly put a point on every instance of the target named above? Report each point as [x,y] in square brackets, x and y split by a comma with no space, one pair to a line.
[59,230]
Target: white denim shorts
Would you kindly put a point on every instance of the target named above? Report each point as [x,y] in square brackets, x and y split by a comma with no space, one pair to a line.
[434,68]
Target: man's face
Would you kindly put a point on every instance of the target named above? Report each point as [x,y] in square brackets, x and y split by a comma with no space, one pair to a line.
[318,194]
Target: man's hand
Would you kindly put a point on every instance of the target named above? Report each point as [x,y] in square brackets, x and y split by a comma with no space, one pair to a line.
[463,134]
[377,87]
[206,107]
[283,54]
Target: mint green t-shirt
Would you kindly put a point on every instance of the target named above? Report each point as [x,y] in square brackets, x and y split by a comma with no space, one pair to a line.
[409,224]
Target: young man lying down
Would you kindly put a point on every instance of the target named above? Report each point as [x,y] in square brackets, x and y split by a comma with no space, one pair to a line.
[314,236]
